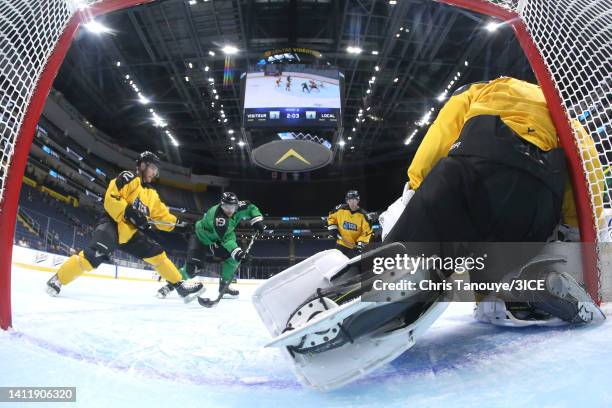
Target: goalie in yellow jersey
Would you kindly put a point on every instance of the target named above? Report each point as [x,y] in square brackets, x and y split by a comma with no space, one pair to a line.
[132,206]
[491,169]
[351,225]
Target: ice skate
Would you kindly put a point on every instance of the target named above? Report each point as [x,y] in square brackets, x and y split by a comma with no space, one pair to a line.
[164,291]
[54,286]
[189,290]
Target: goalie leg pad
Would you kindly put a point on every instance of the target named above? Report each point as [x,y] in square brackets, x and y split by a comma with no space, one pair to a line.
[281,298]
[563,297]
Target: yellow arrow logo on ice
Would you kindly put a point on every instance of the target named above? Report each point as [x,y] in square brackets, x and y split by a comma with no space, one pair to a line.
[292,153]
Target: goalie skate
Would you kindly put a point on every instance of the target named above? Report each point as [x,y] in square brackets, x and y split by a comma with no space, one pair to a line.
[329,344]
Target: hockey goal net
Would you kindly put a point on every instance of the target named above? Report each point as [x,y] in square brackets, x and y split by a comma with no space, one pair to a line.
[566,41]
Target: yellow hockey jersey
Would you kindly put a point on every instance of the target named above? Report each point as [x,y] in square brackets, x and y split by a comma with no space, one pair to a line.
[351,226]
[522,107]
[123,191]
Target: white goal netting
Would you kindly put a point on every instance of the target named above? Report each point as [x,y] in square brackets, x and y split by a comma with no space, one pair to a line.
[29,31]
[574,37]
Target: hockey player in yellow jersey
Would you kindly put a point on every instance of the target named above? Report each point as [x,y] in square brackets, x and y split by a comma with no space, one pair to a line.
[491,169]
[131,206]
[351,225]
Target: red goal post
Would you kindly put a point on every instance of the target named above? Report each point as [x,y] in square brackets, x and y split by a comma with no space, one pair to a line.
[567,43]
[34,38]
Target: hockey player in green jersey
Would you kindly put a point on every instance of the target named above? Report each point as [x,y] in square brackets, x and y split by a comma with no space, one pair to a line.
[215,237]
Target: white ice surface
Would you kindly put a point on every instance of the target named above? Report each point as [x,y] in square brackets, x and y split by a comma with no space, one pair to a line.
[120,346]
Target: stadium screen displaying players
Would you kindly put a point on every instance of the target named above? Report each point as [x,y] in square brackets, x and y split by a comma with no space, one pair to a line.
[294,95]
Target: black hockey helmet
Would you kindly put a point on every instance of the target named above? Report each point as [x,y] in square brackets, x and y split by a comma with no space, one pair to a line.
[147,157]
[352,194]
[229,198]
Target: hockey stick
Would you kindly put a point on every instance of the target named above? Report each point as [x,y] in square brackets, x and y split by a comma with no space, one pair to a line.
[206,302]
[167,224]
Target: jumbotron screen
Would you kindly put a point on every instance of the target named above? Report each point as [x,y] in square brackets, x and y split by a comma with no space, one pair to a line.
[280,96]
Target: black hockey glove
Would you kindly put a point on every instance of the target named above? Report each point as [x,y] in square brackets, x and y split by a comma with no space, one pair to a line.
[136,217]
[184,227]
[240,255]
[259,226]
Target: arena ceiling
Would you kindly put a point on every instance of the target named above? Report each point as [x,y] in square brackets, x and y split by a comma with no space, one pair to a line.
[171,51]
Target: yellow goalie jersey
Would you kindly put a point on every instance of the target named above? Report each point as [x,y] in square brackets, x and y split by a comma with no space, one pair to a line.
[125,190]
[522,107]
[352,227]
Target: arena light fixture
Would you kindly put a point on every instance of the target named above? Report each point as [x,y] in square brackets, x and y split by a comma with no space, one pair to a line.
[492,26]
[211,53]
[96,27]
[354,50]
[395,79]
[192,2]
[231,131]
[376,68]
[118,63]
[232,138]
[186,79]
[158,121]
[206,68]
[374,52]
[143,99]
[341,143]
[190,65]
[229,50]
[241,143]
